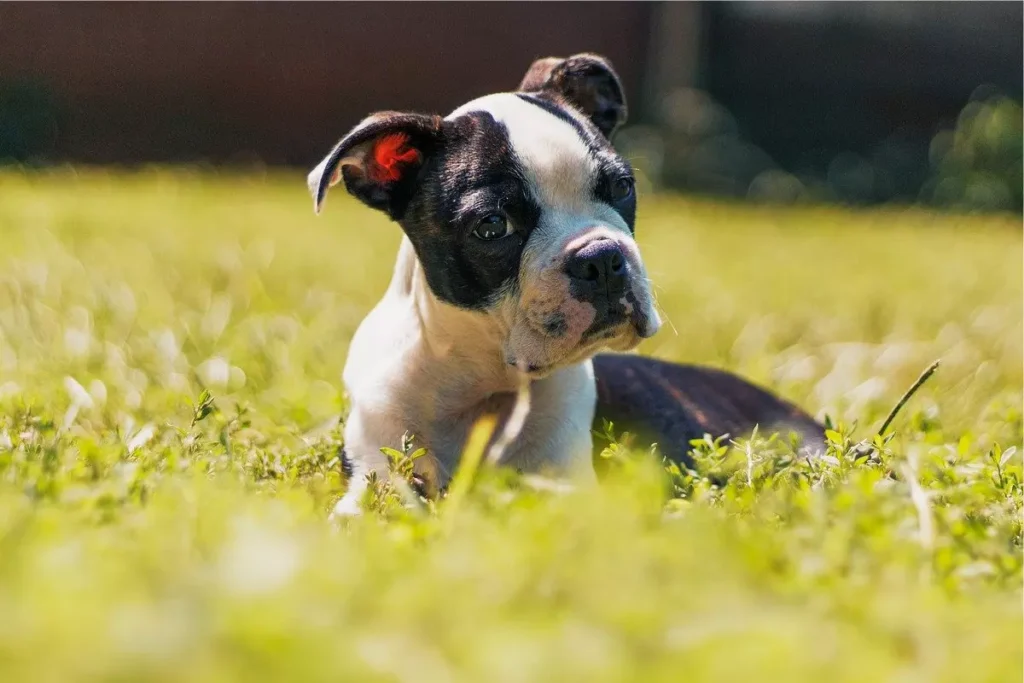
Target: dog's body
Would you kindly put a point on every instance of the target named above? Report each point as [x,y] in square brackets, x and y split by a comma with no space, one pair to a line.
[518,262]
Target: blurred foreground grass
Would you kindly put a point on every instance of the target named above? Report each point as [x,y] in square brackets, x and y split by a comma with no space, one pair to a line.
[140,543]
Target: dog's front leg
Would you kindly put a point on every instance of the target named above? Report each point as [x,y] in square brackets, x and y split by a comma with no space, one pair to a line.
[362,457]
[556,439]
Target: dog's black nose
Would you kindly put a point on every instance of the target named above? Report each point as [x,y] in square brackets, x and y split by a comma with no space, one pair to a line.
[598,268]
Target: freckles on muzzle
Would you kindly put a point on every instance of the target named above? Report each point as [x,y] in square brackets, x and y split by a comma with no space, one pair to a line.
[556,325]
[548,308]
[549,324]
[587,295]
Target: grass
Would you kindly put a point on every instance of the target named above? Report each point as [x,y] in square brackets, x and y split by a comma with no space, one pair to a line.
[146,534]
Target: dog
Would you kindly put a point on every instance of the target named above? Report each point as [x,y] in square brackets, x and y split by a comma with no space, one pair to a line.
[518,264]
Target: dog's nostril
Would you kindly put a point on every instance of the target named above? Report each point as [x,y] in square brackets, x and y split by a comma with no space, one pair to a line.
[617,263]
[599,264]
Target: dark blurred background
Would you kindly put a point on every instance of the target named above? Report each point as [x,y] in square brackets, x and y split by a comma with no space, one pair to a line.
[850,102]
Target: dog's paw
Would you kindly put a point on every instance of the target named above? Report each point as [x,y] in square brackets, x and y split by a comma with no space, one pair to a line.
[346,508]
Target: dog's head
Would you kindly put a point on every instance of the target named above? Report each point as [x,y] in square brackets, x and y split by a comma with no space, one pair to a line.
[518,208]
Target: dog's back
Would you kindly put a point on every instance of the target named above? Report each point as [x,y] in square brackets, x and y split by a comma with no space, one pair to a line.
[670,404]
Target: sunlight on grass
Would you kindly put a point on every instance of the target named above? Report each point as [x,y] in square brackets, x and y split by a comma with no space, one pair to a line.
[149,531]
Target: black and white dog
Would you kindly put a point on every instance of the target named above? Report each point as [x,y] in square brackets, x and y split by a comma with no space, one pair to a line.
[518,259]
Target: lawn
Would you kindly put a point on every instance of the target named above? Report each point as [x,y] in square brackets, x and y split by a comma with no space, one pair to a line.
[148,535]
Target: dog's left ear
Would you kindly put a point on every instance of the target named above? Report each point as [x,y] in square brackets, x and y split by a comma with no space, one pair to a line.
[587,82]
[379,160]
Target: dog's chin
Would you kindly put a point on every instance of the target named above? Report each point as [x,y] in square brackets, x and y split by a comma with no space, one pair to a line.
[624,337]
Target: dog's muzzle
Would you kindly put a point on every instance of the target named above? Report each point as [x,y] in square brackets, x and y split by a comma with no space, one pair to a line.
[599,274]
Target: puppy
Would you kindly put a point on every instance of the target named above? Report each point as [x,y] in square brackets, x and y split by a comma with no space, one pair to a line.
[518,263]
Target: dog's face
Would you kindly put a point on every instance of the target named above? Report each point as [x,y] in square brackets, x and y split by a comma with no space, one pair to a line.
[518,208]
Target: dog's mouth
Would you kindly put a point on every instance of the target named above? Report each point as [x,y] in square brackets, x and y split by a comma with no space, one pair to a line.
[621,333]
[533,370]
[637,323]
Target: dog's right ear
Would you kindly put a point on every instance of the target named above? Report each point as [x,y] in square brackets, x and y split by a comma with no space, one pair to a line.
[587,82]
[379,160]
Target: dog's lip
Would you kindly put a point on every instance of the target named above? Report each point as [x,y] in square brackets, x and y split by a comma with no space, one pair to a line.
[537,370]
[647,325]
[645,330]
[638,324]
[528,368]
[641,325]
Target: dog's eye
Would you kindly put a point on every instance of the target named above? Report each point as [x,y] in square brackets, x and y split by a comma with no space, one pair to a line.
[492,227]
[622,188]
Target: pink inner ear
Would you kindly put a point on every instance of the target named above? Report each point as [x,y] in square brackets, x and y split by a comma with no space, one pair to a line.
[336,176]
[390,152]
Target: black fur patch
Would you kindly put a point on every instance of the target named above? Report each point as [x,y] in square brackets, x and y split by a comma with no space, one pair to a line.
[474,174]
[626,207]
[346,464]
